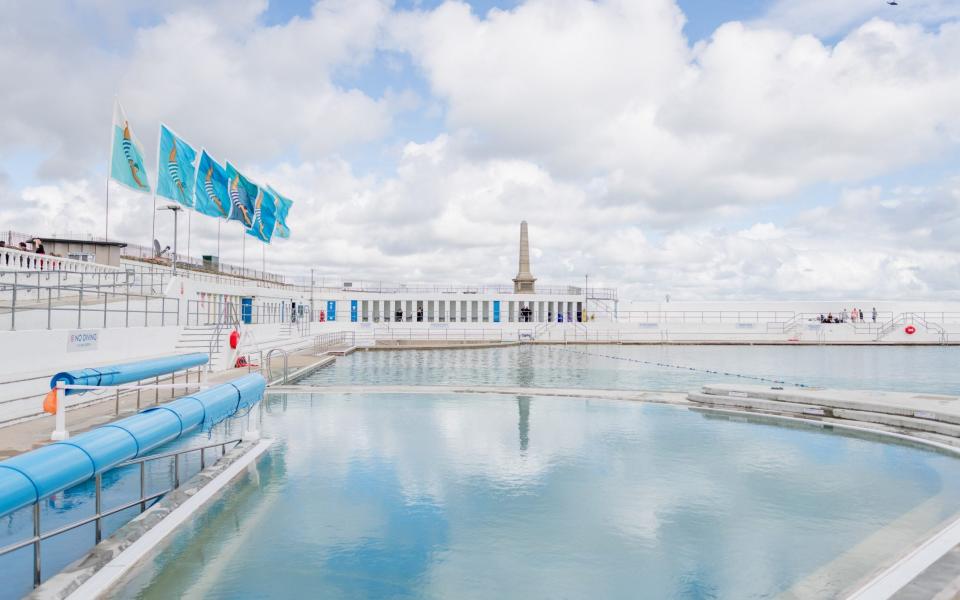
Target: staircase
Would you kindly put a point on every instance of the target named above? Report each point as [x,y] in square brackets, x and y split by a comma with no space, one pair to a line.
[202,338]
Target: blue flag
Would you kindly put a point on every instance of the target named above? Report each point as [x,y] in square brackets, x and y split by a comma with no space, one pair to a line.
[283,209]
[210,190]
[242,194]
[175,168]
[264,216]
[126,154]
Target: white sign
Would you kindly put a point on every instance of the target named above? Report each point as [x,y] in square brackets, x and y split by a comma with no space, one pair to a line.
[83,340]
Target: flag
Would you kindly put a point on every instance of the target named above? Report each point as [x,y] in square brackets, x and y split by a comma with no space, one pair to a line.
[283,209]
[210,190]
[264,216]
[242,193]
[126,154]
[175,168]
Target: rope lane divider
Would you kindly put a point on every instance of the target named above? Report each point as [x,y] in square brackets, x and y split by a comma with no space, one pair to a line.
[651,363]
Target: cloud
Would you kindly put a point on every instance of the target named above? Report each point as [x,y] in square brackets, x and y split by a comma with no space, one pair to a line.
[610,92]
[761,162]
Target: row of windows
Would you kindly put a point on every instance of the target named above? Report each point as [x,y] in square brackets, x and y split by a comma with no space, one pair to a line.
[466,311]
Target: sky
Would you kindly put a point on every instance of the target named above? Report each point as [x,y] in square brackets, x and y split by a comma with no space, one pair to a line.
[755,150]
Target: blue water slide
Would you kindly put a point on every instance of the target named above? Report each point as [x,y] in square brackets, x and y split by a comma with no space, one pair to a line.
[128,372]
[34,475]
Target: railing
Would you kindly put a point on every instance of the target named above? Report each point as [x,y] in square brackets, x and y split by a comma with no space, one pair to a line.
[325,341]
[386,287]
[453,335]
[268,364]
[24,260]
[138,252]
[65,300]
[209,312]
[39,536]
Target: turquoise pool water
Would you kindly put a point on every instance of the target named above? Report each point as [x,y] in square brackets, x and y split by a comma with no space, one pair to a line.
[493,496]
[919,369]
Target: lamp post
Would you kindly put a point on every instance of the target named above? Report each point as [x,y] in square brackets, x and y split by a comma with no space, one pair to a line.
[176,210]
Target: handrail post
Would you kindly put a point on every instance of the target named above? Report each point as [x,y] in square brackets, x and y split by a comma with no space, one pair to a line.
[36,544]
[143,486]
[13,305]
[98,531]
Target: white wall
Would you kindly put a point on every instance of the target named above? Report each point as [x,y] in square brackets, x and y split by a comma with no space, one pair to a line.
[28,359]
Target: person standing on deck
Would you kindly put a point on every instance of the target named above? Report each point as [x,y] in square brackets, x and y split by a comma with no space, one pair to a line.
[874,314]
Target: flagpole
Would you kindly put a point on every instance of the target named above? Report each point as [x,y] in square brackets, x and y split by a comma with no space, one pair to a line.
[218,244]
[189,221]
[263,261]
[153,228]
[243,249]
[106,215]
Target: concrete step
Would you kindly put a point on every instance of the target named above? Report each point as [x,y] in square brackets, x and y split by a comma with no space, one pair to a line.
[816,410]
[934,407]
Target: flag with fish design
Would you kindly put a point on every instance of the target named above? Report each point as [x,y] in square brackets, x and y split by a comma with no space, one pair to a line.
[283,209]
[126,154]
[175,168]
[264,216]
[210,189]
[242,194]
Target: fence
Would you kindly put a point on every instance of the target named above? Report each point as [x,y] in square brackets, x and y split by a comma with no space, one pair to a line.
[61,300]
[324,342]
[142,500]
[217,312]
[11,258]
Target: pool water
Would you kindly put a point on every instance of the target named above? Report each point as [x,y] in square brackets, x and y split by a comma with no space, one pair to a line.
[896,368]
[496,496]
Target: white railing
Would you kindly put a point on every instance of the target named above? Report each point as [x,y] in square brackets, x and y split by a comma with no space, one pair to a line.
[20,260]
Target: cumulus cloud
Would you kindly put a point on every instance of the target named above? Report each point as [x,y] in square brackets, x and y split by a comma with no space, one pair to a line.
[743,166]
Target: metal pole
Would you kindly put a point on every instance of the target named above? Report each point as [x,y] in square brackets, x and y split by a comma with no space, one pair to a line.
[36,544]
[98,531]
[13,305]
[116,403]
[176,214]
[143,492]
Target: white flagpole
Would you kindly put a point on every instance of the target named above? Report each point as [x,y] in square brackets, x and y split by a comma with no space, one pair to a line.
[153,227]
[218,244]
[106,215]
[243,248]
[263,263]
[189,221]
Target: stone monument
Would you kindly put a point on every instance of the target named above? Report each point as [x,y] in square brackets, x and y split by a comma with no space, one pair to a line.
[523,282]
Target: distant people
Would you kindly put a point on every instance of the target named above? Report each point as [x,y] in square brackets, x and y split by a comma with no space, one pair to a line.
[23,246]
[844,315]
[829,318]
[823,319]
[874,314]
[38,245]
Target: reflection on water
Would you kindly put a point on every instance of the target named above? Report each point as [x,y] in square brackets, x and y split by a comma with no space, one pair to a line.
[920,369]
[523,408]
[450,496]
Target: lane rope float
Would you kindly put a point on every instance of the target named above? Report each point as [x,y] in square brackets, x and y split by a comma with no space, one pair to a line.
[651,363]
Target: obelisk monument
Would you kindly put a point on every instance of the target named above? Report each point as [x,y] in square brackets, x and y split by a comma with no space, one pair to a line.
[523,282]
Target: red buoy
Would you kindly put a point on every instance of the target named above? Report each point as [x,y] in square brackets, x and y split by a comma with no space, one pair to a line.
[910,329]
[234,339]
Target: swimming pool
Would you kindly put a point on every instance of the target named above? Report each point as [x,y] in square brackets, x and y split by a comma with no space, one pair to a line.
[479,496]
[895,368]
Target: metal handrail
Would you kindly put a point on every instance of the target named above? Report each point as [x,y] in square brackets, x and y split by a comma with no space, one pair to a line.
[268,363]
[39,535]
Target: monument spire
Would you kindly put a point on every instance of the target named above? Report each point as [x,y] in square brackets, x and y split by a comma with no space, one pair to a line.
[523,282]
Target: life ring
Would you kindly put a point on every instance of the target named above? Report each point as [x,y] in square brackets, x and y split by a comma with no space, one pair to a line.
[234,339]
[910,329]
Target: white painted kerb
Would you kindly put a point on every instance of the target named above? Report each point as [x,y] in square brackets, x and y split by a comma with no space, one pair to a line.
[105,578]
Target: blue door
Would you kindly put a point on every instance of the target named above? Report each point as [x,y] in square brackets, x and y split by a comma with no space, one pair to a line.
[331,310]
[496,311]
[353,311]
[246,310]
